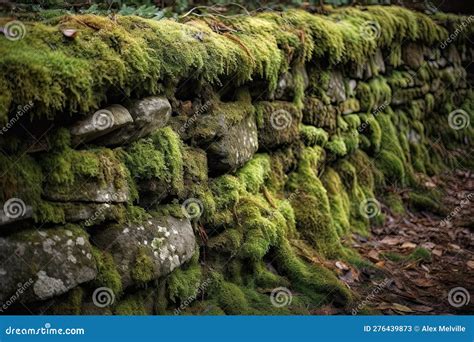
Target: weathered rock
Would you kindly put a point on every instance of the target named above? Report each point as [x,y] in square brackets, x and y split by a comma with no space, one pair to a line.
[52,261]
[379,62]
[337,89]
[286,84]
[316,113]
[412,55]
[233,148]
[278,123]
[106,182]
[91,213]
[452,55]
[149,114]
[88,191]
[161,243]
[16,210]
[100,123]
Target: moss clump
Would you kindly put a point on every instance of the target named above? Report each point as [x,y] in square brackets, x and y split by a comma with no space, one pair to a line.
[253,174]
[159,157]
[143,269]
[312,136]
[420,254]
[132,305]
[107,273]
[336,146]
[185,282]
[311,205]
[70,303]
[391,166]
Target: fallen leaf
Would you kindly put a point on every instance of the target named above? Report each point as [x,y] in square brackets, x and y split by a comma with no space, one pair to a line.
[409,245]
[391,241]
[373,255]
[380,264]
[423,282]
[437,252]
[422,308]
[400,307]
[470,264]
[341,266]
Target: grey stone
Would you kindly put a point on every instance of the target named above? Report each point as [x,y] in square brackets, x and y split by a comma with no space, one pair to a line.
[149,114]
[286,83]
[43,264]
[412,55]
[167,242]
[337,90]
[234,146]
[87,191]
[452,55]
[20,212]
[100,123]
[379,62]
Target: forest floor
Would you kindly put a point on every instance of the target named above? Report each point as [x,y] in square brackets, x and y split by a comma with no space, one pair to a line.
[424,262]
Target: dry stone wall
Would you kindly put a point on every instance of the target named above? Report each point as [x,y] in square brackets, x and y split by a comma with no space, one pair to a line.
[193,181]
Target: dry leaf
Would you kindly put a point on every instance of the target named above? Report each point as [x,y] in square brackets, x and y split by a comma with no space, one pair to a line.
[470,264]
[401,308]
[409,245]
[437,252]
[391,241]
[374,255]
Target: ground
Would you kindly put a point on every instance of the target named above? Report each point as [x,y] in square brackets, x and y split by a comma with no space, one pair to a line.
[420,257]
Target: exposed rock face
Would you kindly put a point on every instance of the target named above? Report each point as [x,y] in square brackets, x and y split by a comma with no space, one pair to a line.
[412,55]
[233,146]
[286,84]
[337,89]
[148,115]
[160,243]
[100,123]
[52,261]
[88,191]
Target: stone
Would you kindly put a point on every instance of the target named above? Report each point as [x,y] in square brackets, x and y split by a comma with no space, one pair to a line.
[91,213]
[149,114]
[453,56]
[108,185]
[51,261]
[337,89]
[233,148]
[92,191]
[412,55]
[278,123]
[100,123]
[286,83]
[379,62]
[166,242]
[16,211]
[317,114]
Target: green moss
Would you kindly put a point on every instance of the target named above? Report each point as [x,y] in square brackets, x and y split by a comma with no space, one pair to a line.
[420,254]
[253,174]
[336,147]
[313,135]
[70,303]
[107,273]
[185,281]
[131,305]
[143,269]
[391,166]
[392,256]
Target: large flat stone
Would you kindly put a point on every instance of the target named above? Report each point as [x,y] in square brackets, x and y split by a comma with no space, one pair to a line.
[166,243]
[51,262]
